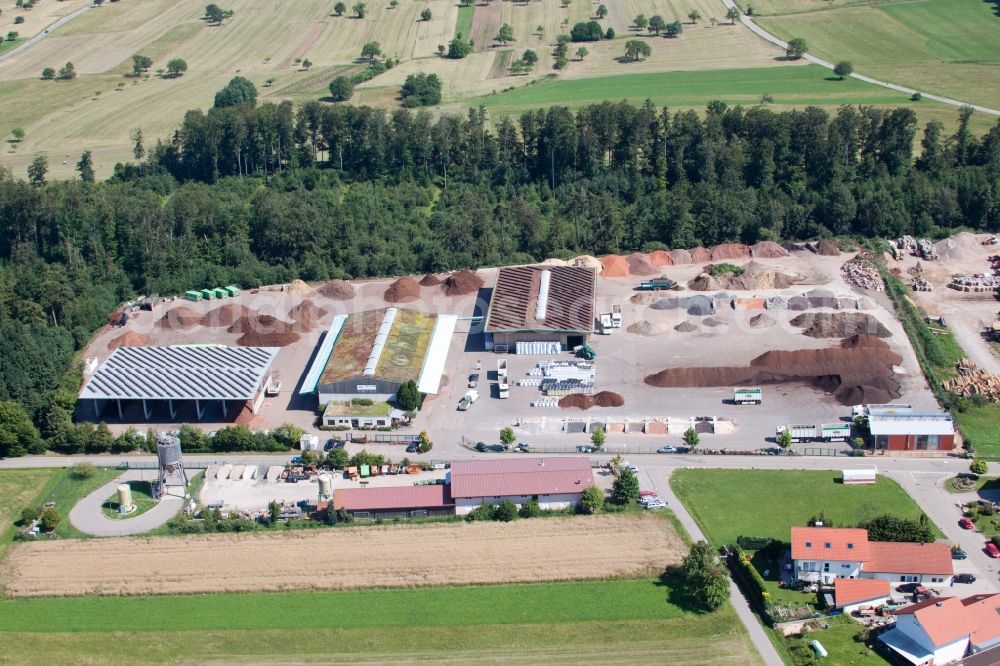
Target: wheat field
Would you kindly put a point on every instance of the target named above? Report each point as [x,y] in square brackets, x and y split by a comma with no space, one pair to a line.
[578,548]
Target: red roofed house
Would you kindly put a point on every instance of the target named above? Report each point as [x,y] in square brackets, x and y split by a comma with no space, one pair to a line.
[850,594]
[555,483]
[944,630]
[395,501]
[824,554]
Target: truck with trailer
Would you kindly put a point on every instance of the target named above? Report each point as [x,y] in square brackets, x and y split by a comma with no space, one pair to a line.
[658,284]
[825,432]
[747,396]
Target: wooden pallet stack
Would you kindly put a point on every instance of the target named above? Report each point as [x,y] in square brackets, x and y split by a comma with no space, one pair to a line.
[971,380]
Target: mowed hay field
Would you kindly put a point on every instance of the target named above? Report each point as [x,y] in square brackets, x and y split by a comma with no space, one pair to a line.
[360,557]
[951,47]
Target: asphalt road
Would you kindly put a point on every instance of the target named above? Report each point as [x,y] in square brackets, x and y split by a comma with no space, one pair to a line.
[44,33]
[88,517]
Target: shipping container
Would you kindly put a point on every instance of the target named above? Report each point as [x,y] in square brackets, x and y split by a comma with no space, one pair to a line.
[192,295]
[219,292]
[233,290]
[207,294]
[747,396]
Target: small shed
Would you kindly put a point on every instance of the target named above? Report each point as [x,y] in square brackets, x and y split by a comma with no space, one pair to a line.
[309,443]
[857,477]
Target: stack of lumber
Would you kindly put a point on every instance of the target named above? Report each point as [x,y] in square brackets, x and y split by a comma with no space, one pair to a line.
[973,381]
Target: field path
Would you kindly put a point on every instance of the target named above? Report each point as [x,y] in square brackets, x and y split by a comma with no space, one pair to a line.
[44,33]
[88,517]
[756,29]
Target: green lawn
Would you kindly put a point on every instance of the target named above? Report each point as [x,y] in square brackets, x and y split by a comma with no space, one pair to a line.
[19,488]
[8,44]
[68,489]
[798,86]
[979,425]
[945,46]
[570,622]
[142,498]
[728,503]
[983,480]
[839,642]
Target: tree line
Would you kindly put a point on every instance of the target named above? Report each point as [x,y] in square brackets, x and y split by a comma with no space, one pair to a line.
[254,195]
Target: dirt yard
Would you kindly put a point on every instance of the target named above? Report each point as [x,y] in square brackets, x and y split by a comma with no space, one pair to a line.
[362,557]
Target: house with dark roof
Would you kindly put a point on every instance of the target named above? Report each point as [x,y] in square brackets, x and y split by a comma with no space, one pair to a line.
[824,554]
[555,483]
[946,629]
[538,305]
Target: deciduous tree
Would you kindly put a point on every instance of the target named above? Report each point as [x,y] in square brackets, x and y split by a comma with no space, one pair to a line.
[796,48]
[635,49]
[176,68]
[341,89]
[843,68]
[85,167]
[625,488]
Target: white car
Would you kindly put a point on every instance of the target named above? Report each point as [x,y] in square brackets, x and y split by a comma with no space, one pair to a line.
[654,504]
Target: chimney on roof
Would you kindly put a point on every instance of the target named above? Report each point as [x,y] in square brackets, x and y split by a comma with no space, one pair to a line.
[939,604]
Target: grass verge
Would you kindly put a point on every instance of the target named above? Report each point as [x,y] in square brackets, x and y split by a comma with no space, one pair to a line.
[142,499]
[19,488]
[766,503]
[68,489]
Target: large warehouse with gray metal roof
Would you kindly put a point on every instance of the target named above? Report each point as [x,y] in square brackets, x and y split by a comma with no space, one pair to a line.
[196,375]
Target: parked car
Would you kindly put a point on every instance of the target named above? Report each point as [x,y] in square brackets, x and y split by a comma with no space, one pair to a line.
[333,444]
[523,447]
[966,524]
[667,449]
[965,578]
[907,588]
[296,460]
[585,448]
[474,380]
[481,447]
[647,493]
[992,550]
[959,555]
[413,448]
[655,504]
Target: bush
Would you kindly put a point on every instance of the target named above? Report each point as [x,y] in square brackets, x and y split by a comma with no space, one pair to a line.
[83,470]
[425,442]
[482,512]
[459,48]
[364,458]
[30,514]
[588,31]
[49,519]
[530,509]
[506,512]
[727,269]
[418,90]
[978,466]
[592,500]
[888,527]
[337,459]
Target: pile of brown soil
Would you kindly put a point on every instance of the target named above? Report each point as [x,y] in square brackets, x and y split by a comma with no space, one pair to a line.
[261,330]
[686,327]
[298,287]
[338,290]
[680,256]
[179,317]
[661,258]
[640,264]
[129,339]
[226,315]
[862,340]
[827,248]
[706,282]
[713,322]
[306,315]
[700,255]
[761,321]
[648,328]
[402,290]
[614,266]
[730,251]
[462,282]
[755,276]
[431,280]
[839,325]
[847,373]
[768,250]
[583,401]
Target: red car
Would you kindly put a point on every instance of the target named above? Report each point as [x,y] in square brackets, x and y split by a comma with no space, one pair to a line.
[966,524]
[992,550]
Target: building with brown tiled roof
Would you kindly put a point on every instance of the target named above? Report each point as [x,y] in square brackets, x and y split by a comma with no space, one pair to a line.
[555,483]
[849,594]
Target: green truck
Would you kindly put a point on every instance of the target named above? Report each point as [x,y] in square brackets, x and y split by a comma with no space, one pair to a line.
[659,284]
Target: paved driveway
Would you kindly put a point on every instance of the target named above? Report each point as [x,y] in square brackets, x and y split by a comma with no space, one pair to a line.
[88,517]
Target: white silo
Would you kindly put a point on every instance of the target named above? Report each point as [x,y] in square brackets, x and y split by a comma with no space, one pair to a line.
[325,487]
[125,498]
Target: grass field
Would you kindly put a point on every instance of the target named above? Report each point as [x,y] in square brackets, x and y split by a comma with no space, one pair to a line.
[611,622]
[572,548]
[463,23]
[950,47]
[979,424]
[68,489]
[18,488]
[728,503]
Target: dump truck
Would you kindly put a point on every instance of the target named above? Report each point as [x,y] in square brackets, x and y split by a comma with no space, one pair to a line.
[825,432]
[658,284]
[467,400]
[747,396]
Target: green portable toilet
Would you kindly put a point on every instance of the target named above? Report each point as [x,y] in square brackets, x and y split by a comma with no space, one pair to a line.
[207,294]
[233,291]
[365,471]
[192,295]
[220,292]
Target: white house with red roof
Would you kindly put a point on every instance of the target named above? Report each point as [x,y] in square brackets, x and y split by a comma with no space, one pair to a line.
[555,483]
[943,631]
[824,554]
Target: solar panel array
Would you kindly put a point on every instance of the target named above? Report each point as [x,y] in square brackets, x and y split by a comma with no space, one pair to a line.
[181,373]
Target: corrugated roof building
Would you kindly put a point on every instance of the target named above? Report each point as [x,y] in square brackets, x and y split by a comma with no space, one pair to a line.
[902,431]
[395,501]
[555,483]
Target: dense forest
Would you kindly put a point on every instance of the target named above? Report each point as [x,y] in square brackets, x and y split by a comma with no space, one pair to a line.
[253,195]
